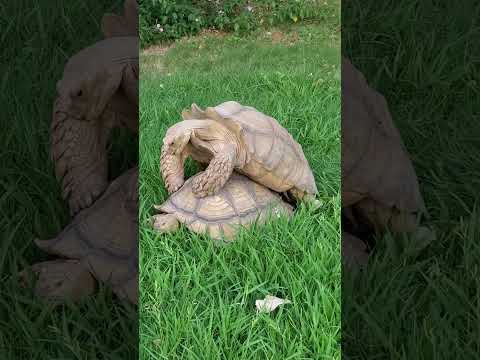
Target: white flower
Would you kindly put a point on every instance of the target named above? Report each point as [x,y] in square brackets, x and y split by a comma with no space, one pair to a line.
[249,8]
[197,19]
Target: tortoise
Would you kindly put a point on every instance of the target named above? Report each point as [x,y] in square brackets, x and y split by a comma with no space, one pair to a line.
[231,137]
[101,243]
[354,251]
[97,92]
[240,203]
[379,186]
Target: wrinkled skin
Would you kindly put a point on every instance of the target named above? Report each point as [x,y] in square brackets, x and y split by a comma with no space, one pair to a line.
[208,142]
[98,91]
[354,251]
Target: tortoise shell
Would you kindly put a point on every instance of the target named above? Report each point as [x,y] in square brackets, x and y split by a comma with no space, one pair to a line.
[240,202]
[275,159]
[105,237]
[375,163]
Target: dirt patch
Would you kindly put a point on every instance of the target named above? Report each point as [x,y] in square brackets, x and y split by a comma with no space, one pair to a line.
[204,35]
[212,33]
[156,49]
[280,37]
[277,36]
[152,58]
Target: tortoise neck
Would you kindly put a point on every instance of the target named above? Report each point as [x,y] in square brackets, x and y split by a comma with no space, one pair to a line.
[234,146]
[217,137]
[196,123]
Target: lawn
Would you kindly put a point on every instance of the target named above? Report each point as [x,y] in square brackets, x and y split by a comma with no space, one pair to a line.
[37,38]
[421,301]
[198,300]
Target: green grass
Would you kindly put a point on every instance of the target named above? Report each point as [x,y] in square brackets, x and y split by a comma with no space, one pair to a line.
[198,299]
[36,40]
[422,302]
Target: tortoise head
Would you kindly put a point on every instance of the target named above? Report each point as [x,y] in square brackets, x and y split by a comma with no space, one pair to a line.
[89,82]
[177,138]
[173,155]
[165,223]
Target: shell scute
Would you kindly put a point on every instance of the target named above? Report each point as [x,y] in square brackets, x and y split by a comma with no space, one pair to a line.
[240,203]
[277,160]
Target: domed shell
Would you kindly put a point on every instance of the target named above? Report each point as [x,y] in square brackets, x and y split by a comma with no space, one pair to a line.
[375,163]
[275,159]
[239,203]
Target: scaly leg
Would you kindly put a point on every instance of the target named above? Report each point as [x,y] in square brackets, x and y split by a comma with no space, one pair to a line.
[354,251]
[171,168]
[383,218]
[302,196]
[210,181]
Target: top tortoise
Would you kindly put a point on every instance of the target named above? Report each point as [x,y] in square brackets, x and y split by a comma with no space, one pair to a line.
[232,136]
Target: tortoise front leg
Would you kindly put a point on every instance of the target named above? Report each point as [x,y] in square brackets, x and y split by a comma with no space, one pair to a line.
[80,157]
[175,150]
[172,170]
[210,181]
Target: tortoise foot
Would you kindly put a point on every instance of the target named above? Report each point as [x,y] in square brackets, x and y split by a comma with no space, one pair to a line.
[354,251]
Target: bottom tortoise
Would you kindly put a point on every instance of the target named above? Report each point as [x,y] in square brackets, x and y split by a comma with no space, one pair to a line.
[101,243]
[240,203]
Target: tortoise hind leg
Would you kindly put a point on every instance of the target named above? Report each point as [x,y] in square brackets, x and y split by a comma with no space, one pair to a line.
[302,196]
[354,251]
[382,218]
[62,280]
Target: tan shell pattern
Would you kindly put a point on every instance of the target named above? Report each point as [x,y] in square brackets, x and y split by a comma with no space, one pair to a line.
[240,202]
[276,159]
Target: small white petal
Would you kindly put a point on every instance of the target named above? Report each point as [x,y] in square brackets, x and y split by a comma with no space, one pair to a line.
[270,303]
